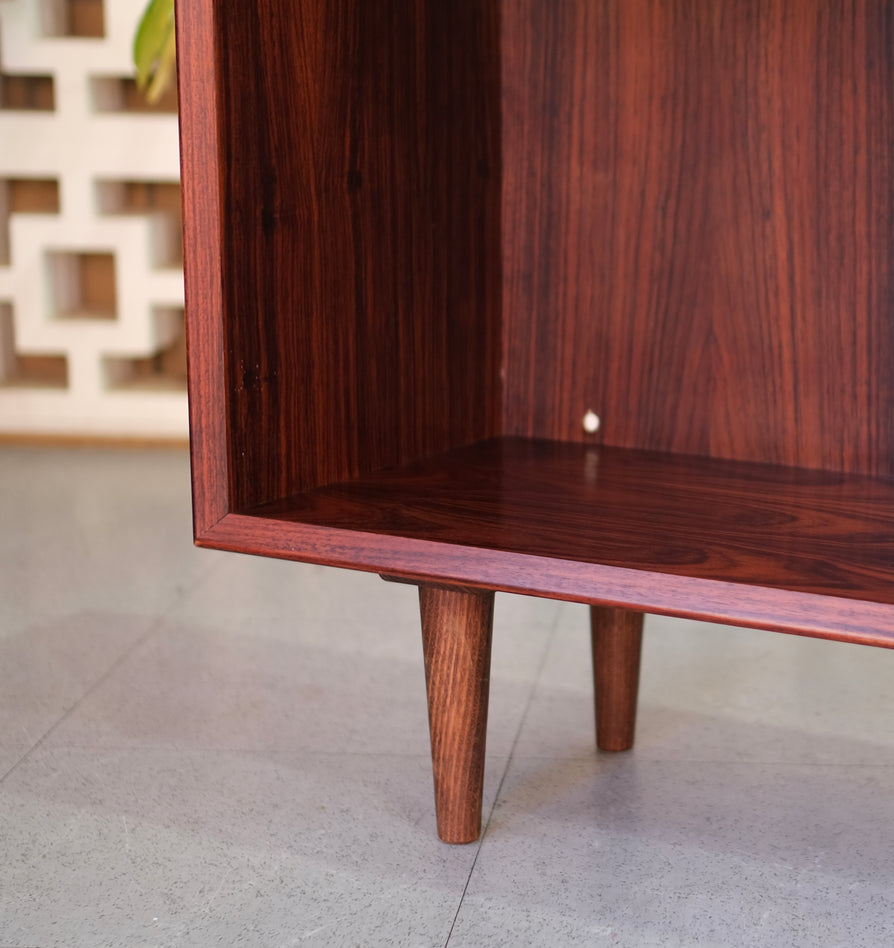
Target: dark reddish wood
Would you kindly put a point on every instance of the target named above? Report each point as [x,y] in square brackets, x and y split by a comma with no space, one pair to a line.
[771,548]
[202,227]
[411,226]
[617,637]
[456,641]
[727,521]
[780,610]
[698,201]
[353,326]
[358,173]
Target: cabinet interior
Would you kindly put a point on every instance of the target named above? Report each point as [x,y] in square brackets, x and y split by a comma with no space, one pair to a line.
[439,224]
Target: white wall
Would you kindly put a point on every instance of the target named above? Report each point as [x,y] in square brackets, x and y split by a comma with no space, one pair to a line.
[90,280]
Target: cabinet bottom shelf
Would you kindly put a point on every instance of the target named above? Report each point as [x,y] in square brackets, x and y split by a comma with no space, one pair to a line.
[802,551]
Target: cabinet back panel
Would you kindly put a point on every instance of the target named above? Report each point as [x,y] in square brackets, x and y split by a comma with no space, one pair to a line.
[360,246]
[697,226]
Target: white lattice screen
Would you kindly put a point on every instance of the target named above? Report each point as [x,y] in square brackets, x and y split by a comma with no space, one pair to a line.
[91,288]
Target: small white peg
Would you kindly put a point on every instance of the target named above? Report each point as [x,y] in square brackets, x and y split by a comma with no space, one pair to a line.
[591,422]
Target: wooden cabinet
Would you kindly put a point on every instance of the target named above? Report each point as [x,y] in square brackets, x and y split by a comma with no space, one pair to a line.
[425,240]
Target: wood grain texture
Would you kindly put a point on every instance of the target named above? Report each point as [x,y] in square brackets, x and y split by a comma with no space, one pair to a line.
[697,233]
[616,636]
[743,544]
[809,531]
[677,213]
[456,641]
[202,229]
[422,560]
[359,156]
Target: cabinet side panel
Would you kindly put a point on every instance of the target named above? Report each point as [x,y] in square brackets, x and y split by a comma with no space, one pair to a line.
[698,213]
[361,235]
[201,265]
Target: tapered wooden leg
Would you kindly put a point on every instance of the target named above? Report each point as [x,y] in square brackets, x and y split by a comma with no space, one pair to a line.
[456,639]
[617,636]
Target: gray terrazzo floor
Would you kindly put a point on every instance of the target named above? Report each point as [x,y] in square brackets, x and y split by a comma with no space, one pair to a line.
[200,748]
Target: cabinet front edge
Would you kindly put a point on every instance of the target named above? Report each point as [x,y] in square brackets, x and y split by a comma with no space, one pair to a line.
[780,610]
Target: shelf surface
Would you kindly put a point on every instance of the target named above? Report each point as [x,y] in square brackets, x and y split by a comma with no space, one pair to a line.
[776,529]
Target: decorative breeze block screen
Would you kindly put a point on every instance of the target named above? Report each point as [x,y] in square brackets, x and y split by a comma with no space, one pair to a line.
[91,286]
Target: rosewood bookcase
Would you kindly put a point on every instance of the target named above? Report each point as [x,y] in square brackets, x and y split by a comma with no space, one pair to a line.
[590,299]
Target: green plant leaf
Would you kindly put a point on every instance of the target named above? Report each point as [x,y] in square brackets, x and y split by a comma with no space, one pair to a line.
[154,49]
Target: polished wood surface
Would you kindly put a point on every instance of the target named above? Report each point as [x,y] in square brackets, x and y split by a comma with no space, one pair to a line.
[422,239]
[617,637]
[698,200]
[819,615]
[358,176]
[200,163]
[456,642]
[797,551]
[761,525]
